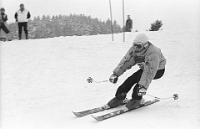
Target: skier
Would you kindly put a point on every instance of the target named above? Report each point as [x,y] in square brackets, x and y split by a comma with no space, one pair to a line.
[152,66]
[3,19]
[22,16]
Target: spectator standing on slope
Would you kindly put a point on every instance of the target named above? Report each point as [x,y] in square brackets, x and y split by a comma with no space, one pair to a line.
[3,19]
[22,16]
[128,24]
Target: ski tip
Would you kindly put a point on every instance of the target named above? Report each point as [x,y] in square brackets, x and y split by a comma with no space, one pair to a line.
[96,118]
[74,113]
[77,114]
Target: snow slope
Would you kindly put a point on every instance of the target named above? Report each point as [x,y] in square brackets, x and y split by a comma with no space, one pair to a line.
[43,80]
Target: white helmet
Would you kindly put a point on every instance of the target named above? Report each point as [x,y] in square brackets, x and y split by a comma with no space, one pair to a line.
[141,38]
[140,42]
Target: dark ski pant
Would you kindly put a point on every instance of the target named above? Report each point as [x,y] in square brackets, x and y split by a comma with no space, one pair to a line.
[131,81]
[20,26]
[4,28]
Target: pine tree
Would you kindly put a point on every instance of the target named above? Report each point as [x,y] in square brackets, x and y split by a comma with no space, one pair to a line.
[156,25]
[63,25]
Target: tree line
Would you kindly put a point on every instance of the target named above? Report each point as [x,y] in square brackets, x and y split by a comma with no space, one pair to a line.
[63,25]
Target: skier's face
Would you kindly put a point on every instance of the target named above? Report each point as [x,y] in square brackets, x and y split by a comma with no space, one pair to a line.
[138,46]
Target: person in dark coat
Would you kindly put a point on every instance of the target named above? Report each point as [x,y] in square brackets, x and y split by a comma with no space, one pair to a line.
[3,19]
[22,16]
[128,24]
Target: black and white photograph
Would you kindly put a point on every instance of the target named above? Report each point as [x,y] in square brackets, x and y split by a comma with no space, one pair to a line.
[99,64]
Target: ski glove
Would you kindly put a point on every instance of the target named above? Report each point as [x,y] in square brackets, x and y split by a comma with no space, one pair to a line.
[141,90]
[113,78]
[141,65]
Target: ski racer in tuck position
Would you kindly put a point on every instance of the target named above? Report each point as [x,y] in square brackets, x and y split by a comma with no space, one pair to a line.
[152,66]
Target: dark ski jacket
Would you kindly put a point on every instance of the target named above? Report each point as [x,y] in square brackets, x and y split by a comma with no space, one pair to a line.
[3,17]
[128,25]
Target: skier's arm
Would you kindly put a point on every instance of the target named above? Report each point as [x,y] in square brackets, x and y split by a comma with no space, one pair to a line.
[150,70]
[126,63]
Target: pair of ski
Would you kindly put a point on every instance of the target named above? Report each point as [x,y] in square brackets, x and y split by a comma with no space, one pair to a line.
[111,114]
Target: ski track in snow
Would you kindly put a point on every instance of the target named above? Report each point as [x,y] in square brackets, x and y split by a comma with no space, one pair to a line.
[43,80]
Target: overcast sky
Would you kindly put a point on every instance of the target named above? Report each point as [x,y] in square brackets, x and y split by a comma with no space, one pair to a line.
[180,14]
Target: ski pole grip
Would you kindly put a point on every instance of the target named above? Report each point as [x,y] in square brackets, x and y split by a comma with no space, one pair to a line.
[90,80]
[175,96]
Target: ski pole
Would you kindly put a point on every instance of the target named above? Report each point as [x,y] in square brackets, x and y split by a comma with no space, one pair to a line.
[175,97]
[91,80]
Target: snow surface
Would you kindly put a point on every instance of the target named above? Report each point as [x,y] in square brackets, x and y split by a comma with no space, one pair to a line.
[43,80]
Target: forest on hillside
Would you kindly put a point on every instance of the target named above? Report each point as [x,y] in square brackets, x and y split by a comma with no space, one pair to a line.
[63,25]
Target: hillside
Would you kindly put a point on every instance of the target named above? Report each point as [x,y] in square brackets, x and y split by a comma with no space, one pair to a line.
[43,80]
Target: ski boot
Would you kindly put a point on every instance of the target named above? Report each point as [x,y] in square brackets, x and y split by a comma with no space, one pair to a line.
[116,101]
[134,103]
